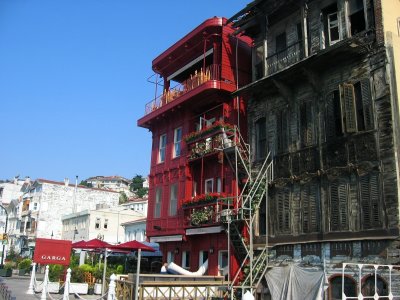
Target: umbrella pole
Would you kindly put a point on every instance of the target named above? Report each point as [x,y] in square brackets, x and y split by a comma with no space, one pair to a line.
[137,274]
[104,272]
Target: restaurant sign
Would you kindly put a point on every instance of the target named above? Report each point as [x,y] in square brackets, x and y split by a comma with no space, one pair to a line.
[49,251]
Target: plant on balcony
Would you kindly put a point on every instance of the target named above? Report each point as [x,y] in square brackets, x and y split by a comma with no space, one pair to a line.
[201,216]
[207,130]
[204,199]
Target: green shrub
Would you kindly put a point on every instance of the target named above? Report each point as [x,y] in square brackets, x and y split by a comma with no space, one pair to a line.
[8,265]
[77,275]
[55,272]
[120,269]
[86,268]
[25,264]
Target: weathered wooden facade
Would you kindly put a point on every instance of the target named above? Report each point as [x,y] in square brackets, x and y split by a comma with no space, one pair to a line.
[324,103]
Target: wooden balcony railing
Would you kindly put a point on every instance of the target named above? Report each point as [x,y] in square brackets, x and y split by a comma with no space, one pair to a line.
[211,72]
[285,58]
[206,209]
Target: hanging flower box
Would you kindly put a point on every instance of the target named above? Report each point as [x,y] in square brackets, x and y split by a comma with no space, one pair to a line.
[196,135]
[204,199]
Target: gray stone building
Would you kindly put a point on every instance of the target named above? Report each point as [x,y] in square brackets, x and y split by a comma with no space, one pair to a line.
[323,105]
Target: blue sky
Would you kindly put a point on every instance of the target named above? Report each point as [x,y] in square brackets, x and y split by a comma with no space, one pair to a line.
[73,81]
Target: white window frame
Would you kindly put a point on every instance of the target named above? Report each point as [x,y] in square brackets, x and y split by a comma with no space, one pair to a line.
[162,148]
[157,202]
[223,269]
[185,260]
[334,25]
[201,257]
[219,185]
[173,199]
[177,142]
[206,190]
[170,256]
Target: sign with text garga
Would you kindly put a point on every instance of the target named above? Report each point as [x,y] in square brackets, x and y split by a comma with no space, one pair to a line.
[49,251]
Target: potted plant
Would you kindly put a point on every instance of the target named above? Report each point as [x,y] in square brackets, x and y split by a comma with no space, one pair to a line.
[6,270]
[24,266]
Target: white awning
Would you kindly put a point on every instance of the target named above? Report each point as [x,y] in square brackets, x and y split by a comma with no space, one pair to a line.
[166,238]
[204,230]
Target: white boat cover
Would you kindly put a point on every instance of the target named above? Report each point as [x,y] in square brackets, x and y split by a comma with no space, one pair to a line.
[295,283]
[174,268]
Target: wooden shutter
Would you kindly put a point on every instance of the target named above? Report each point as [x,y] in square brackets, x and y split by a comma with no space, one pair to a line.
[343,205]
[271,134]
[367,103]
[283,207]
[347,100]
[365,202]
[334,207]
[305,201]
[374,193]
[314,211]
[306,123]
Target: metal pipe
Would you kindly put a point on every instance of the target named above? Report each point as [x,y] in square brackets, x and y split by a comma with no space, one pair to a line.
[5,231]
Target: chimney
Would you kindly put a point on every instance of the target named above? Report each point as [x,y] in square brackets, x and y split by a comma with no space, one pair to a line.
[66,181]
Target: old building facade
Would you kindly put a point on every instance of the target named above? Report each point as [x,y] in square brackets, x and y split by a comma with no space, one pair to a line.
[324,105]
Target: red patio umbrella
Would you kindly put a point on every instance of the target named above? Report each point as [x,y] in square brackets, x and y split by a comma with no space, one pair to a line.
[132,246]
[78,244]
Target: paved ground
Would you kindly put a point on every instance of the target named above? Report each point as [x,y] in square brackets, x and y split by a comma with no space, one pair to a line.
[19,285]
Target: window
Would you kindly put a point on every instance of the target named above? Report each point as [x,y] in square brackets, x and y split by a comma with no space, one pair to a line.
[173,199]
[282,131]
[223,262]
[194,189]
[186,260]
[259,60]
[261,138]
[282,205]
[219,185]
[309,208]
[105,224]
[311,249]
[170,256]
[341,248]
[284,250]
[209,186]
[35,206]
[369,200]
[349,109]
[162,146]
[331,32]
[177,141]
[157,204]
[335,288]
[203,257]
[281,46]
[339,206]
[356,16]
[306,124]
[97,223]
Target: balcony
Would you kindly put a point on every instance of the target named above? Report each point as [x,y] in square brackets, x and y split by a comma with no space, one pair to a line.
[195,80]
[285,58]
[209,140]
[205,210]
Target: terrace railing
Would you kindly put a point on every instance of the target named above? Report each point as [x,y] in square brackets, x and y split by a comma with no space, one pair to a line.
[211,72]
[285,58]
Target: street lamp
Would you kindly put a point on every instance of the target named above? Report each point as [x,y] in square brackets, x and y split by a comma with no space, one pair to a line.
[5,231]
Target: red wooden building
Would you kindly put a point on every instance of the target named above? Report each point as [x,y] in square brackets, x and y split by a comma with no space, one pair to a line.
[192,116]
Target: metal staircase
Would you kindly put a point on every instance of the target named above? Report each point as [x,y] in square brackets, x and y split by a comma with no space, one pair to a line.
[241,220]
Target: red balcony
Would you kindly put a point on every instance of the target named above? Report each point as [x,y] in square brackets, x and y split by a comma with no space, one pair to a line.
[195,80]
[206,209]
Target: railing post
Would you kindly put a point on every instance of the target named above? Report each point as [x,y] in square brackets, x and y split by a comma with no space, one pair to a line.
[111,288]
[31,288]
[46,280]
[67,285]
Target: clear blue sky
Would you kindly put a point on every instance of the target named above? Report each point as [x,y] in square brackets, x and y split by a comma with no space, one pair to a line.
[73,81]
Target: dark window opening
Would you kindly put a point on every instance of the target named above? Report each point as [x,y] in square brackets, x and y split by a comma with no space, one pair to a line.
[377,248]
[285,250]
[263,217]
[331,25]
[282,131]
[281,46]
[335,288]
[261,138]
[356,16]
[310,249]
[368,287]
[341,248]
[306,124]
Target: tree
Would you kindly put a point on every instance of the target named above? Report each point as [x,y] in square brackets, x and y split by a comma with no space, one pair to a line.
[123,198]
[136,186]
[85,183]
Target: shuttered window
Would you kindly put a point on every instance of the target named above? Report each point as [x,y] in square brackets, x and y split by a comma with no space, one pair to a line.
[348,103]
[306,124]
[283,210]
[334,121]
[261,138]
[282,131]
[370,208]
[310,208]
[338,206]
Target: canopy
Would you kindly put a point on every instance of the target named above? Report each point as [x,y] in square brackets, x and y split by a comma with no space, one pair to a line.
[132,246]
[92,244]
